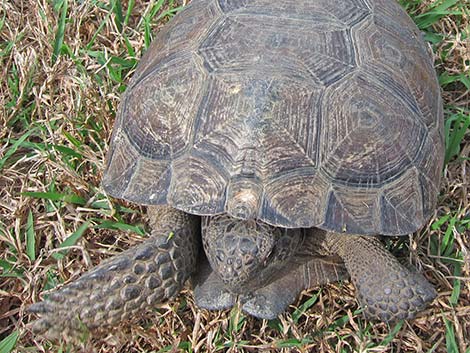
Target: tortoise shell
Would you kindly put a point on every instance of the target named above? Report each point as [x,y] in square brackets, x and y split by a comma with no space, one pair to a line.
[298,113]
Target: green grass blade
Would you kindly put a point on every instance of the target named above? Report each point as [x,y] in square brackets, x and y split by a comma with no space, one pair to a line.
[454,298]
[97,32]
[9,342]
[293,343]
[435,13]
[147,33]
[297,314]
[446,78]
[447,245]
[8,269]
[156,8]
[56,196]
[15,147]
[170,12]
[119,19]
[71,240]
[107,224]
[237,319]
[30,238]
[2,21]
[130,7]
[391,335]
[67,151]
[59,36]
[455,129]
[451,342]
[72,139]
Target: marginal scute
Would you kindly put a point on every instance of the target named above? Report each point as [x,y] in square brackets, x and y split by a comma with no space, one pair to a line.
[181,34]
[338,219]
[411,67]
[197,186]
[353,210]
[429,173]
[390,17]
[150,181]
[120,165]
[302,197]
[401,205]
[427,166]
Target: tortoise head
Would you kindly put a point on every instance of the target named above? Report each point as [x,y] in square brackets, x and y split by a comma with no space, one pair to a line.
[245,253]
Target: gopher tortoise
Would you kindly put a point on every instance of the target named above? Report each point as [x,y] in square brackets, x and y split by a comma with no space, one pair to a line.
[283,136]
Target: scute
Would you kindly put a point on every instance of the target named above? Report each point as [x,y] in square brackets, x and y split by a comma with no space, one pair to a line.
[254,43]
[409,63]
[181,35]
[159,112]
[323,14]
[301,114]
[401,204]
[370,133]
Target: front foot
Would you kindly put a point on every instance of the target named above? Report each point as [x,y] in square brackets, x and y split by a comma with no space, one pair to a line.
[272,300]
[398,294]
[210,292]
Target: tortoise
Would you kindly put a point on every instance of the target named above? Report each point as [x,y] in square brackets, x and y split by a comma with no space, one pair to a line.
[273,142]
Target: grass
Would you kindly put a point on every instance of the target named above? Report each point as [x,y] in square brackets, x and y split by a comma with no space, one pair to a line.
[63,68]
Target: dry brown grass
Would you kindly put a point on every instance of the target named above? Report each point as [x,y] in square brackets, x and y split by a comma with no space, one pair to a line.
[71,104]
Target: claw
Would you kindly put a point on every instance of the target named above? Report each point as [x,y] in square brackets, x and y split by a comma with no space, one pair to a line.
[40,308]
[57,297]
[40,326]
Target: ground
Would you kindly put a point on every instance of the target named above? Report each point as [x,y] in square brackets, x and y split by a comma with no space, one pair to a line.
[64,65]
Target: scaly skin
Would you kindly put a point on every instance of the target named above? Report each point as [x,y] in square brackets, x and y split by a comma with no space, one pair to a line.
[128,283]
[387,290]
[271,300]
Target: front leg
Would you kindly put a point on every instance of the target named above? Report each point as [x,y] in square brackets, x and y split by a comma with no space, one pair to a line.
[209,291]
[128,283]
[387,290]
[270,301]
